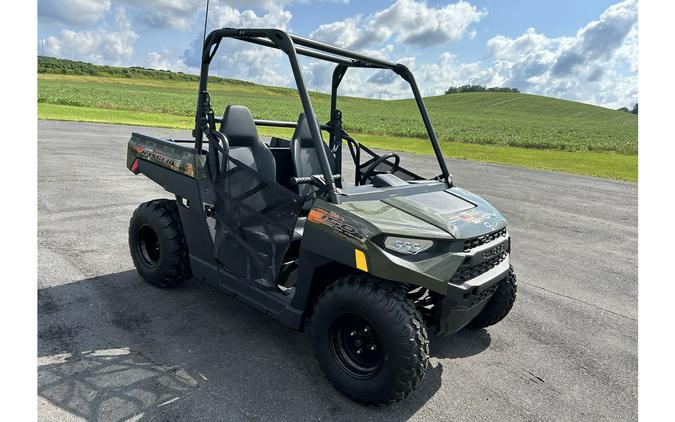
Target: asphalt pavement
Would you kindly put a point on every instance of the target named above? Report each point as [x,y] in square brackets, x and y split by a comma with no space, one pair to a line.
[111,347]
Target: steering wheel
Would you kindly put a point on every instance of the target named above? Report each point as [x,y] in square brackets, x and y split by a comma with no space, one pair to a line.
[370,171]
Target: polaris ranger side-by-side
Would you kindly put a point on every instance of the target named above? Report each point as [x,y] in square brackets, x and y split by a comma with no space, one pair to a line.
[371,267]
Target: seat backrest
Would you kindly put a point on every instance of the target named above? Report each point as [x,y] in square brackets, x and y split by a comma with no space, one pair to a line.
[245,145]
[304,154]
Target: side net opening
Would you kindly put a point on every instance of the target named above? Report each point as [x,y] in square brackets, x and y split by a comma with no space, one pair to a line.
[255,220]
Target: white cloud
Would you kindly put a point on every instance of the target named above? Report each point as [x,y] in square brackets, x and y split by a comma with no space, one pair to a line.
[409,21]
[240,60]
[597,65]
[432,78]
[317,74]
[435,78]
[180,14]
[406,21]
[357,82]
[416,23]
[103,45]
[257,64]
[72,12]
[501,47]
[254,4]
[352,33]
[176,14]
[189,14]
[155,60]
[158,60]
[598,40]
[227,16]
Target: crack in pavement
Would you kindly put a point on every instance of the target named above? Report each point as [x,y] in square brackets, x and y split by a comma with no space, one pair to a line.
[578,300]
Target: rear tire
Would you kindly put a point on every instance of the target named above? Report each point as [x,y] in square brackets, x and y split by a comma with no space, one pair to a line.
[369,339]
[500,303]
[157,244]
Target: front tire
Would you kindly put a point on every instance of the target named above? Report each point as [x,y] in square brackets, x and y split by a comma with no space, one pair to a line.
[500,303]
[370,340]
[157,243]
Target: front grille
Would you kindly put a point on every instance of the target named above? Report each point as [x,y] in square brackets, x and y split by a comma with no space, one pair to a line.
[467,272]
[483,295]
[481,240]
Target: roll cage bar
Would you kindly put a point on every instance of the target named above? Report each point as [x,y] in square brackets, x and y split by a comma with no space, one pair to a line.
[292,45]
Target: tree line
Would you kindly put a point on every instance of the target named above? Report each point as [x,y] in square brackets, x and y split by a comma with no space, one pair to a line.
[633,110]
[72,67]
[478,88]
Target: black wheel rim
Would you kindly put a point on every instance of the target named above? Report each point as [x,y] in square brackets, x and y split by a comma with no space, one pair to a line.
[356,346]
[148,245]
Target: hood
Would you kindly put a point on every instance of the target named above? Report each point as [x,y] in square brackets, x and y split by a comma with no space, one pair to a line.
[444,214]
[456,211]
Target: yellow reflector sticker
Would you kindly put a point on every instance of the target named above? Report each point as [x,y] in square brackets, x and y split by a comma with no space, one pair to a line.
[361,263]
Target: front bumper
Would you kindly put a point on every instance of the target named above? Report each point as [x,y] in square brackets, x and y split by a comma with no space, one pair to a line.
[464,302]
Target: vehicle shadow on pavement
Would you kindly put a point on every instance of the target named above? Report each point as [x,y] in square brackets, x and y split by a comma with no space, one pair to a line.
[465,343]
[114,348]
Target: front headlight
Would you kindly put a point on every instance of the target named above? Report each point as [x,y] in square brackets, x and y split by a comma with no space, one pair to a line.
[407,245]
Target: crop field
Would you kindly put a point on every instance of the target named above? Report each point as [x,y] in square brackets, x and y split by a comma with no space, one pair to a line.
[484,118]
[510,128]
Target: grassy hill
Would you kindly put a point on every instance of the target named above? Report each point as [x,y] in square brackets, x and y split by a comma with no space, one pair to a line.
[476,122]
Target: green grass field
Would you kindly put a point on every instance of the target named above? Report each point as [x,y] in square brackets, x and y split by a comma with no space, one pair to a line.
[519,129]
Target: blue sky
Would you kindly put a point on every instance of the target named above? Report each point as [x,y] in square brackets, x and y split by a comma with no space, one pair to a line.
[579,50]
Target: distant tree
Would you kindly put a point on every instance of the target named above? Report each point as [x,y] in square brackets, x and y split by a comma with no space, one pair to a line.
[624,109]
[478,88]
[635,109]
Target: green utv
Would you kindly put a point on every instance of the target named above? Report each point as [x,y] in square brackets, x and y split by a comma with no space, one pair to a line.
[373,267]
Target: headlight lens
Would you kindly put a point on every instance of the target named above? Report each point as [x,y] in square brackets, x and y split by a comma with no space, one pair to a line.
[407,245]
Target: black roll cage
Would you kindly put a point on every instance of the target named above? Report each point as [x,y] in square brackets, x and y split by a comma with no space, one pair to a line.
[293,45]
